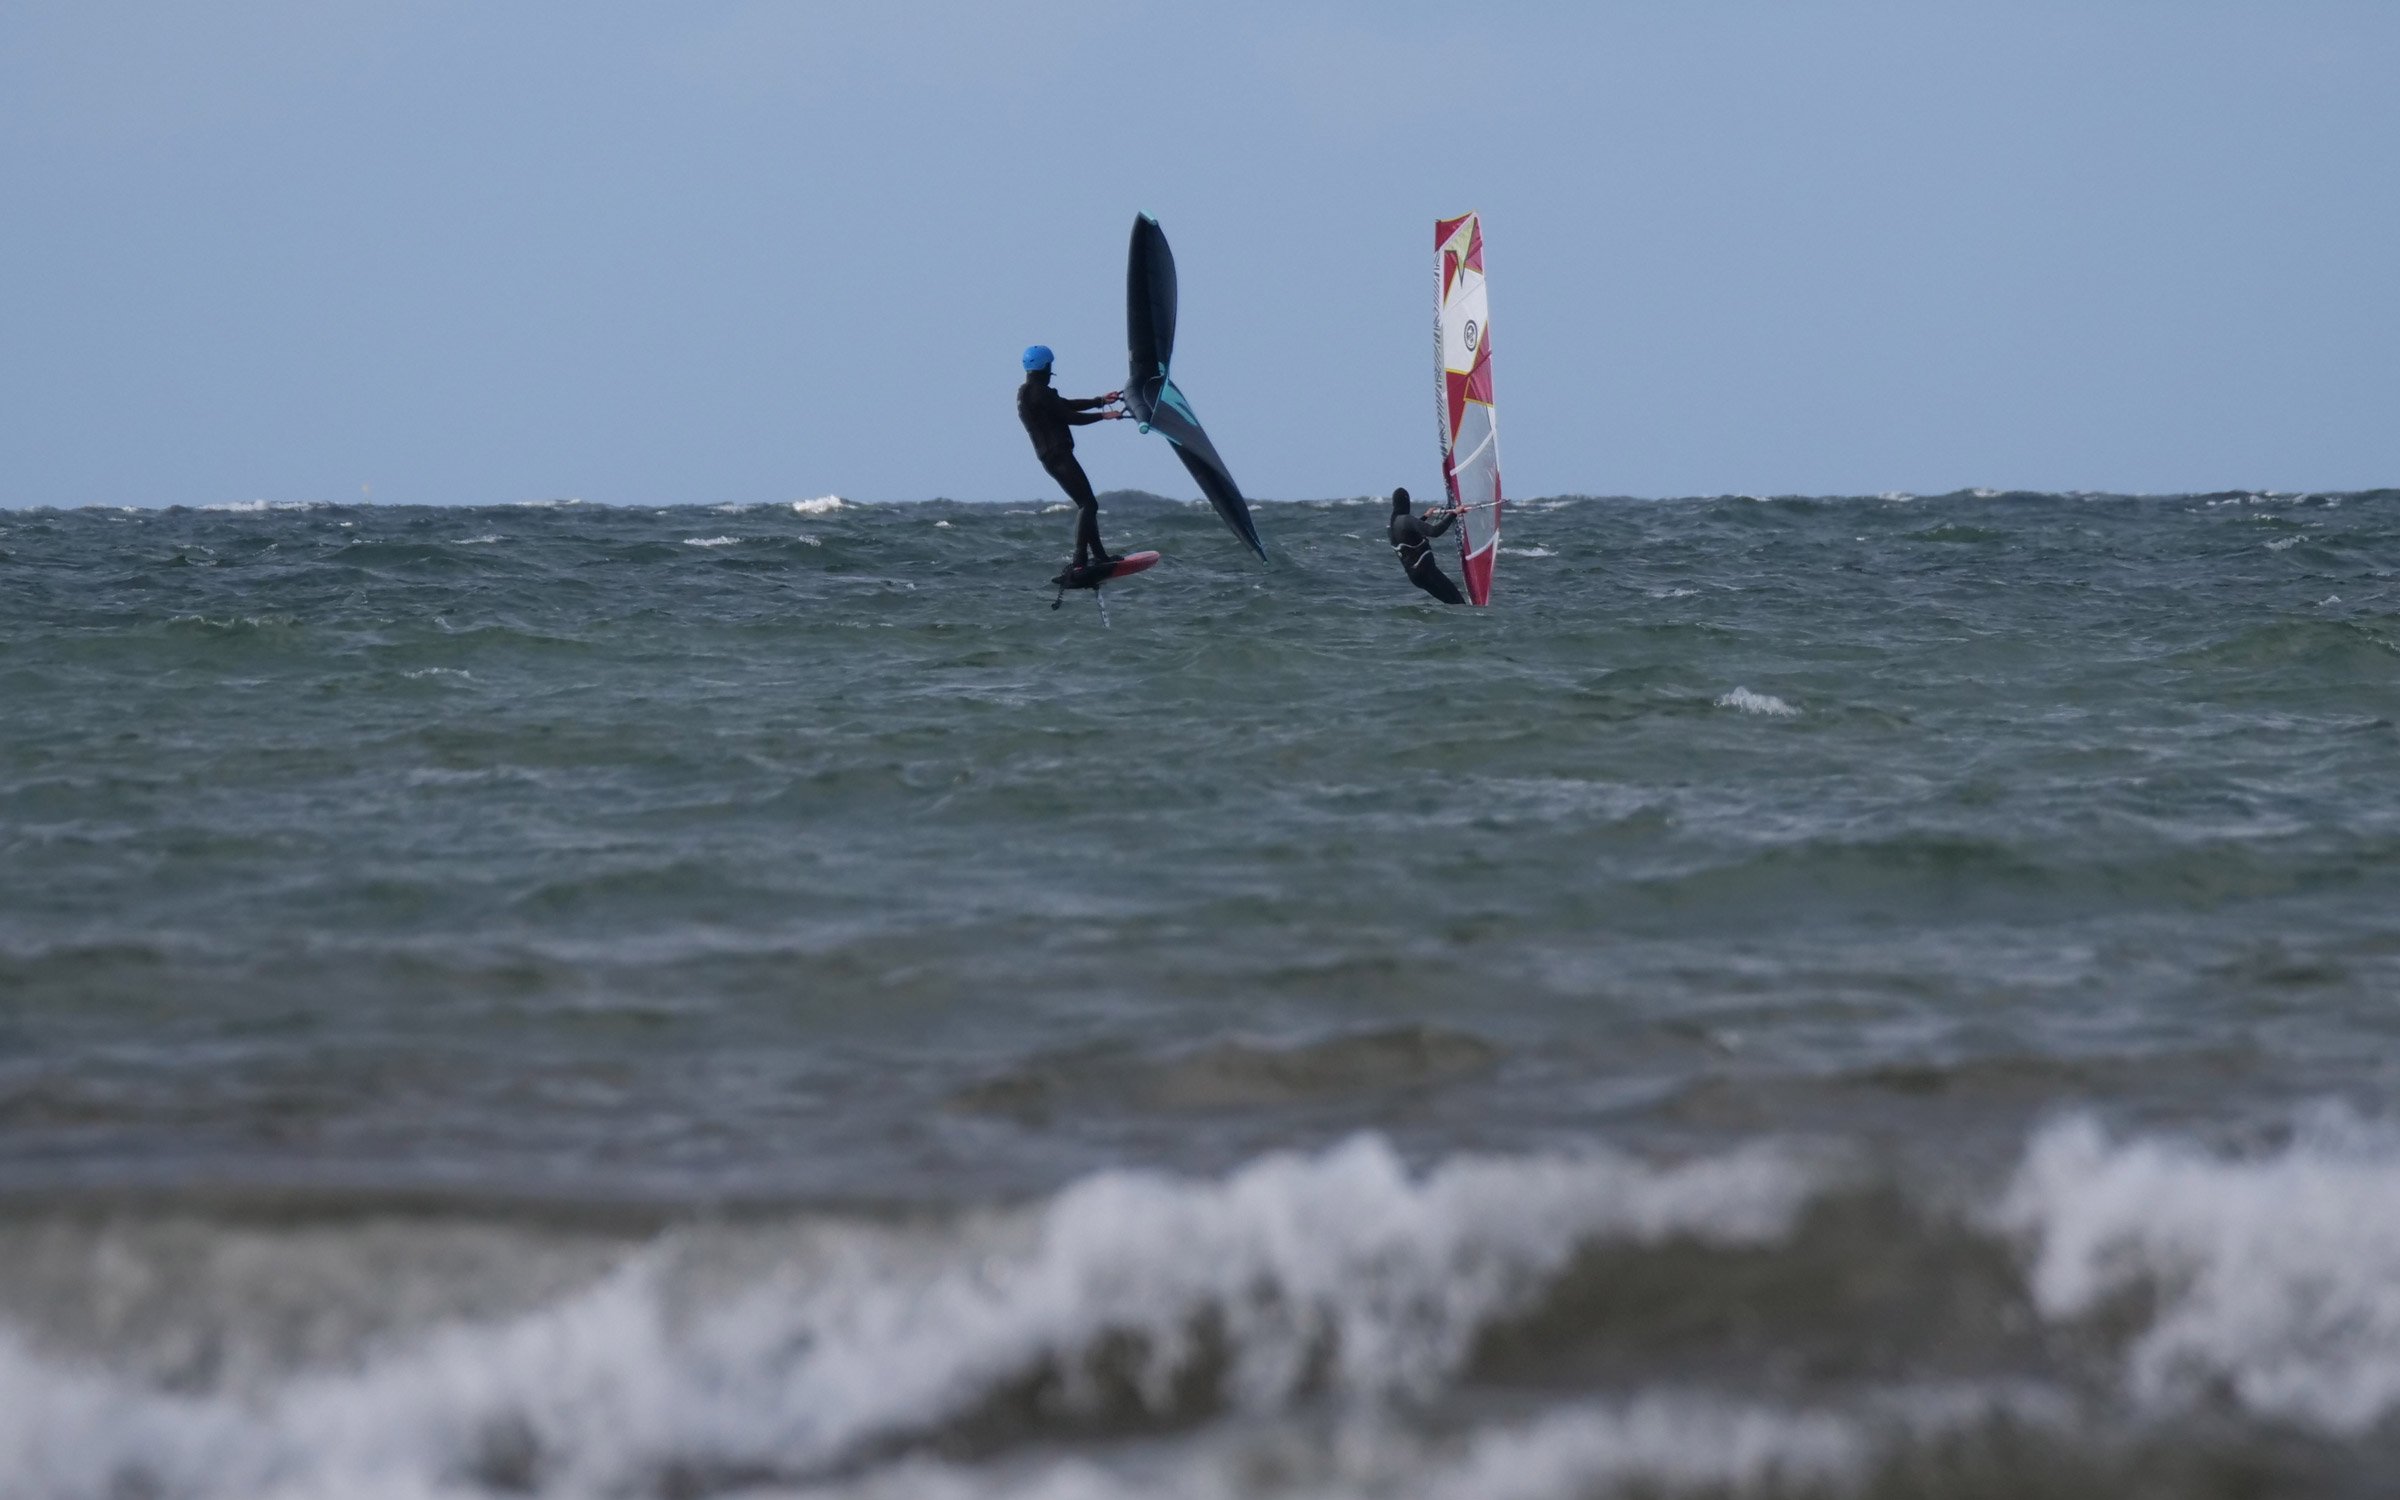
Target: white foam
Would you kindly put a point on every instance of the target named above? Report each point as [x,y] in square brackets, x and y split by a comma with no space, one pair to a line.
[439,672]
[547,504]
[258,507]
[1528,552]
[2275,1277]
[822,505]
[2329,599]
[486,540]
[2289,541]
[1669,1443]
[941,525]
[1675,1443]
[231,622]
[1757,703]
[710,541]
[1342,1271]
[1671,593]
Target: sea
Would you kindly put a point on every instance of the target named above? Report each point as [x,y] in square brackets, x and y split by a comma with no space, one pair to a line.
[1885,996]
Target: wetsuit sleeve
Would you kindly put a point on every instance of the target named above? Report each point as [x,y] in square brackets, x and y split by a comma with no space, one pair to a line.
[1437,527]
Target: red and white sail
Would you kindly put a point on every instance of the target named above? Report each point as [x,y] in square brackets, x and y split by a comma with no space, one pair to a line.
[1470,441]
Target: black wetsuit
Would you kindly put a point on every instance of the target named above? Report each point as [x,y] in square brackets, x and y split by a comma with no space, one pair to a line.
[1047,416]
[1412,539]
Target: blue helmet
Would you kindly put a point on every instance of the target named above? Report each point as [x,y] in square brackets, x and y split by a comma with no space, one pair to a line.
[1037,357]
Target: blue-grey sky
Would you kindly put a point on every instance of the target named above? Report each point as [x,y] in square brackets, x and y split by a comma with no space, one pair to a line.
[752,251]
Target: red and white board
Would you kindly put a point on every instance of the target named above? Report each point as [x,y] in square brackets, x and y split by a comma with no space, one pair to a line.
[1470,440]
[1123,567]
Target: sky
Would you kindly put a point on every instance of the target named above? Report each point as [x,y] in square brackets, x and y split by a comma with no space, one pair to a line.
[756,250]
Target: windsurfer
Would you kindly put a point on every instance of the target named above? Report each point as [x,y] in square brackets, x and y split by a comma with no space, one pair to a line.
[1412,537]
[1047,416]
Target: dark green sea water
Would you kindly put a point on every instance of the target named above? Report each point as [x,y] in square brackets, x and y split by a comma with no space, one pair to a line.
[1860,997]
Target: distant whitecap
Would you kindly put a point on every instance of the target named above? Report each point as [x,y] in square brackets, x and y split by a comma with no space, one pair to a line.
[1757,703]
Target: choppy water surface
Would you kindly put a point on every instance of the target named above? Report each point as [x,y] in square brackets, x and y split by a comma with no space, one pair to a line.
[1804,998]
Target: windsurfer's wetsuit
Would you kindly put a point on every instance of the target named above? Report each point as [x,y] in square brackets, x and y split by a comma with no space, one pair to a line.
[1047,416]
[1412,537]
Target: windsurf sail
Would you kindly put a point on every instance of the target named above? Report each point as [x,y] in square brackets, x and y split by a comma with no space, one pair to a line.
[1470,441]
[1151,395]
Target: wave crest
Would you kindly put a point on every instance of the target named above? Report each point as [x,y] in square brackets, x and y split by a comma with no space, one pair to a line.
[2275,1277]
[1129,1297]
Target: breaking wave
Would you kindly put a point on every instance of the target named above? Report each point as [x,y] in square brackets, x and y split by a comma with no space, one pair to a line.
[2275,1276]
[1128,1297]
[969,1353]
[1757,703]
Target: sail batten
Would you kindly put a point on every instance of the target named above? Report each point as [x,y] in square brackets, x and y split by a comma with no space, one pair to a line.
[1470,433]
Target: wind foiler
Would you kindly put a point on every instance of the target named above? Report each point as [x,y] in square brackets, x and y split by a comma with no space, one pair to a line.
[1463,357]
[1150,393]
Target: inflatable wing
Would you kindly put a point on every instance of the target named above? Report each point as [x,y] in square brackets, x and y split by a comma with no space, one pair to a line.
[1151,395]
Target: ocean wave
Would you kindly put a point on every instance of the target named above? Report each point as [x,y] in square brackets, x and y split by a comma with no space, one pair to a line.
[2279,648]
[262,507]
[821,506]
[1238,1074]
[1952,531]
[1658,1446]
[711,541]
[865,1354]
[233,624]
[2274,1276]
[1757,703]
[1129,1293]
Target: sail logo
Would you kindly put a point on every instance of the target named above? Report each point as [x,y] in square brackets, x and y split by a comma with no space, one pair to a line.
[1473,333]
